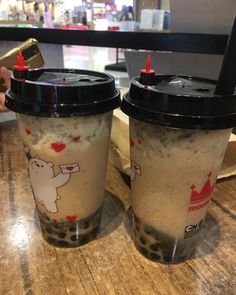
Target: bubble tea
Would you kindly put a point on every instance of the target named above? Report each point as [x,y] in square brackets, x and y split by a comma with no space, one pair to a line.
[64,117]
[179,130]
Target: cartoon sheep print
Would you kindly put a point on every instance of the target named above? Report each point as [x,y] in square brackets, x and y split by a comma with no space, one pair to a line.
[45,183]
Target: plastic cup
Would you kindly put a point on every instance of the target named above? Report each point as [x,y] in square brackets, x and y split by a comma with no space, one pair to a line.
[64,117]
[179,130]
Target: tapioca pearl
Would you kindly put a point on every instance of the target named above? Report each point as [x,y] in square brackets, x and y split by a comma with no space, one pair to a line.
[56,226]
[61,235]
[143,240]
[155,247]
[85,239]
[167,259]
[51,240]
[74,238]
[155,257]
[143,251]
[148,231]
[49,230]
[84,224]
[74,228]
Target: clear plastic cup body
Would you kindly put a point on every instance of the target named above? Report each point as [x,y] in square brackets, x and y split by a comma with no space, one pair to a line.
[67,161]
[173,172]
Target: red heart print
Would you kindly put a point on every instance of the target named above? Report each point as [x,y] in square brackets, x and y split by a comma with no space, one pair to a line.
[76,138]
[140,141]
[71,218]
[131,142]
[58,147]
[69,168]
[27,131]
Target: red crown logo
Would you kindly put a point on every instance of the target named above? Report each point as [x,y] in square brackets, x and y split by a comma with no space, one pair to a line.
[204,193]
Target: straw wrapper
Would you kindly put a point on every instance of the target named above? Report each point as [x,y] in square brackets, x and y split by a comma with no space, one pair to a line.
[119,143]
[228,167]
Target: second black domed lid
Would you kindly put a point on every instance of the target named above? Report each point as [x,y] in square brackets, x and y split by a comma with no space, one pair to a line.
[180,101]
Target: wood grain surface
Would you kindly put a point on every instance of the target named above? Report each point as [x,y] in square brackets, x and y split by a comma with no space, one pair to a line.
[110,264]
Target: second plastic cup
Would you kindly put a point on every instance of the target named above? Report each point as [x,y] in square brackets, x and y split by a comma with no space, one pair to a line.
[179,132]
[64,117]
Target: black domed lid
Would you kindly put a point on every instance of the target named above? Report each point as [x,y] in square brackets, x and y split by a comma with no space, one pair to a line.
[62,93]
[180,101]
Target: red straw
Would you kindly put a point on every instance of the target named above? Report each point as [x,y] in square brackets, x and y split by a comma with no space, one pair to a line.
[20,63]
[148,69]
[148,64]
[20,60]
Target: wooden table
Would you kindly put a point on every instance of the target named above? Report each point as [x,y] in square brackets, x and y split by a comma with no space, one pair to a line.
[110,264]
